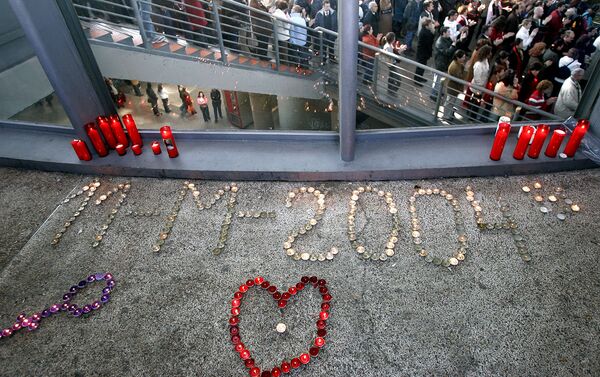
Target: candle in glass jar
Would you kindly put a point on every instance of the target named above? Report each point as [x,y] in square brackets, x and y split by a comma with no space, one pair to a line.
[132,130]
[81,150]
[575,140]
[107,132]
[137,149]
[500,140]
[117,129]
[169,141]
[121,150]
[555,142]
[523,142]
[96,140]
[541,133]
[156,147]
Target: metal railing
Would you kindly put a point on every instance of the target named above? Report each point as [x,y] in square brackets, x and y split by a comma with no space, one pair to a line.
[232,29]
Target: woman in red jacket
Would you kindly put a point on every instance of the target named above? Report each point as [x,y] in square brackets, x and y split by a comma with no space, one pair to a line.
[368,55]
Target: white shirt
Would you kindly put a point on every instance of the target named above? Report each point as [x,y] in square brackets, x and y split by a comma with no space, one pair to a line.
[282,25]
[524,35]
[567,61]
[453,28]
[597,43]
[481,72]
[163,94]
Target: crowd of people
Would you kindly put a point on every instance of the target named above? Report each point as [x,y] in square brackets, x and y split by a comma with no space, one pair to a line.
[532,51]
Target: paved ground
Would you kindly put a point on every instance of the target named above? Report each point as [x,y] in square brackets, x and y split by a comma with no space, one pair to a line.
[492,315]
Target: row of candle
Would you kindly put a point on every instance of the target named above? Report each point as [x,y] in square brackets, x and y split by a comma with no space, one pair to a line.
[109,134]
[539,135]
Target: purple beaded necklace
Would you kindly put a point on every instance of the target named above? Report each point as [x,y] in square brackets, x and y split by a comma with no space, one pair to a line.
[33,322]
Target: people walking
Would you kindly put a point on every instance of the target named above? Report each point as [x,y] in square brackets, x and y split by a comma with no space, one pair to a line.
[215,96]
[152,99]
[164,97]
[202,102]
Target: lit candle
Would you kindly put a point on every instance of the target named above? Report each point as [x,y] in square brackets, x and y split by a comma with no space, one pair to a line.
[117,129]
[132,130]
[81,150]
[121,150]
[155,147]
[541,133]
[500,140]
[96,140]
[555,142]
[169,141]
[109,136]
[137,149]
[523,143]
[578,133]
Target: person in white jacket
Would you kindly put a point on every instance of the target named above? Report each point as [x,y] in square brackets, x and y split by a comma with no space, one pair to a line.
[282,30]
[570,95]
[524,33]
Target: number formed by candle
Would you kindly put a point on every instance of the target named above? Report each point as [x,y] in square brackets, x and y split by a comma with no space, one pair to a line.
[354,236]
[417,231]
[311,224]
[121,190]
[32,322]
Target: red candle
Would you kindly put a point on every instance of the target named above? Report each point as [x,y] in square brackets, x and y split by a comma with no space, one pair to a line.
[523,143]
[555,142]
[121,150]
[541,133]
[109,136]
[137,149]
[156,147]
[578,133]
[500,140]
[81,149]
[117,129]
[169,141]
[96,140]
[132,130]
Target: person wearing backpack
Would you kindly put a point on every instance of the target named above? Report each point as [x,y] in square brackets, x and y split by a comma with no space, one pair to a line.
[567,65]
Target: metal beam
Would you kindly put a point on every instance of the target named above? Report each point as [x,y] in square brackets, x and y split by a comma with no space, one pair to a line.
[348,81]
[45,26]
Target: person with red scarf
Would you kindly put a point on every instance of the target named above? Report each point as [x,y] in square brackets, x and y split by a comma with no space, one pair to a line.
[540,98]
[517,58]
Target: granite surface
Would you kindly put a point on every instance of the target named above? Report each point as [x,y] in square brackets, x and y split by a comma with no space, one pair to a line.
[493,315]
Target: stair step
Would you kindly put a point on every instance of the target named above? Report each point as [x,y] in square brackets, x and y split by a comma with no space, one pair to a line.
[174,47]
[217,56]
[100,34]
[231,57]
[121,38]
[243,60]
[189,50]
[162,46]
[205,53]
[137,40]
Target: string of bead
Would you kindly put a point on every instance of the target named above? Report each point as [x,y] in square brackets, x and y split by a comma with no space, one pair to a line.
[124,189]
[32,322]
[416,233]
[288,245]
[354,237]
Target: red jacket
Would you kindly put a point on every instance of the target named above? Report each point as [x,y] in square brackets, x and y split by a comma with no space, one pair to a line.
[196,15]
[370,40]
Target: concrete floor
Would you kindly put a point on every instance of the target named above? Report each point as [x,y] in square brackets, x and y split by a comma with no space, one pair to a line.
[493,315]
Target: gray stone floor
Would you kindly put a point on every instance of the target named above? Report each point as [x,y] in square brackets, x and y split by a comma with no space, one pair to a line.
[493,315]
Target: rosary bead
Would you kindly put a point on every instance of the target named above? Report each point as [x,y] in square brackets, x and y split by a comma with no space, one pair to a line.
[78,312]
[235,339]
[235,303]
[254,372]
[82,284]
[234,330]
[72,307]
[234,320]
[96,305]
[276,296]
[46,313]
[239,347]
[106,291]
[67,297]
[323,290]
[54,308]
[238,295]
[276,372]
[292,290]
[286,296]
[314,351]
[33,326]
[91,278]
[295,363]
[73,289]
[264,284]
[87,309]
[249,363]
[282,303]
[110,283]
[104,298]
[21,317]
[324,315]
[304,358]
[322,283]
[6,333]
[272,289]
[321,333]
[319,342]
[245,354]
[16,326]
[321,324]
[235,311]
[243,288]
[299,286]
[259,280]
[36,317]
[285,367]
[305,279]
[108,276]
[250,283]
[325,307]
[327,297]
[313,279]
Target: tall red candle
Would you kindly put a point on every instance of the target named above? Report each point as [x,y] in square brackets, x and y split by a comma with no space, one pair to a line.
[96,140]
[156,147]
[81,150]
[117,129]
[555,142]
[137,149]
[575,140]
[121,150]
[169,141]
[132,130]
[523,143]
[107,132]
[500,140]
[541,133]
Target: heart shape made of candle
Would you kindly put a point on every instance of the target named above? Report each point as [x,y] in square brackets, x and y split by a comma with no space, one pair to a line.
[281,299]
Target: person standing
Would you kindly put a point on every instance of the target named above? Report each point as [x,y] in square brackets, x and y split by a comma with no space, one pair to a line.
[398,17]
[327,19]
[454,88]
[202,102]
[385,17]
[146,11]
[215,96]
[282,30]
[424,49]
[298,38]
[427,13]
[152,99]
[261,29]
[368,55]
[137,88]
[164,97]
[392,47]
[372,17]
[444,49]
[411,23]
[569,95]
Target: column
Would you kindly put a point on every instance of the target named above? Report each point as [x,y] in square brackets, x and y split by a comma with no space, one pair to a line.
[263,106]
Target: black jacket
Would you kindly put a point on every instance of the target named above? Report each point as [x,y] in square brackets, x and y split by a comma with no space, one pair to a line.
[425,47]
[215,95]
[373,20]
[444,52]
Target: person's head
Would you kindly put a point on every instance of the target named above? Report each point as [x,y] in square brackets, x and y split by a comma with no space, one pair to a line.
[462,10]
[499,71]
[428,24]
[481,42]
[573,53]
[509,78]
[484,53]
[577,74]
[282,5]
[503,57]
[445,31]
[545,87]
[460,56]
[538,12]
[486,30]
[536,68]
[518,43]
[326,5]
[160,87]
[367,30]
[201,94]
[148,86]
[568,36]
[428,5]
[373,6]
[297,9]
[571,13]
[558,45]
[538,49]
[526,23]
[389,38]
[499,23]
[452,15]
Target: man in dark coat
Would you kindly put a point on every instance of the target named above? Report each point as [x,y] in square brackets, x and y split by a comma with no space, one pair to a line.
[411,22]
[444,50]
[398,18]
[327,19]
[425,49]
[215,96]
[372,18]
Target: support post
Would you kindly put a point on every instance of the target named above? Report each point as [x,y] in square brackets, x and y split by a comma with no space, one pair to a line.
[348,76]
[81,95]
[217,20]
